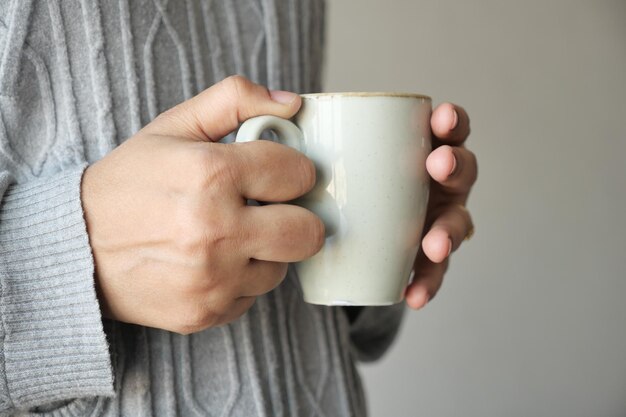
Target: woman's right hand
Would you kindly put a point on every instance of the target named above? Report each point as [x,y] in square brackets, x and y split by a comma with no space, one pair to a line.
[175,245]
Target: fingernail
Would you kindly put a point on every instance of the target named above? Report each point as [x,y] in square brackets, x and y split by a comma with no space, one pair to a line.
[283,97]
[455,119]
[449,246]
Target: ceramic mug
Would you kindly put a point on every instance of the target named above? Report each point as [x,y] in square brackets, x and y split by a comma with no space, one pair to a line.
[369,150]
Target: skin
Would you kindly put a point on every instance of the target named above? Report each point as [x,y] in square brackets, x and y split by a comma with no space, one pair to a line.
[177,247]
[453,169]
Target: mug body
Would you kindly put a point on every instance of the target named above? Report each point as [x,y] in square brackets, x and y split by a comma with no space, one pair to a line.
[370,153]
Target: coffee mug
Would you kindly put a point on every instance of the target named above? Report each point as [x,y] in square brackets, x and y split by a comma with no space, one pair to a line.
[371,191]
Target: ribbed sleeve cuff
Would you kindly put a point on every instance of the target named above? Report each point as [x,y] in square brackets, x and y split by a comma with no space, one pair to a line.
[54,345]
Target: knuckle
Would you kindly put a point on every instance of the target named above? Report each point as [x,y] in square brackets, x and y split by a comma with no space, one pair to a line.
[239,85]
[445,264]
[307,175]
[240,309]
[281,270]
[245,95]
[316,233]
[279,275]
[193,320]
[216,238]
[190,286]
[185,330]
[247,305]
[202,235]
[168,116]
[474,164]
[204,241]
[191,236]
[272,277]
[213,169]
[235,90]
[191,239]
[467,220]
[196,317]
[236,310]
[181,120]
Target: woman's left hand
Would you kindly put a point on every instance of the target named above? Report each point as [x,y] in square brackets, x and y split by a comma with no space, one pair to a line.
[453,169]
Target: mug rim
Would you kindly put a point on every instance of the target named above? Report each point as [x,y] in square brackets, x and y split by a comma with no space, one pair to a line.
[366,94]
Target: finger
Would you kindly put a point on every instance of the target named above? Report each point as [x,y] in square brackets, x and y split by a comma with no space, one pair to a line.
[271,172]
[263,277]
[220,109]
[426,282]
[238,308]
[450,123]
[282,232]
[446,233]
[454,167]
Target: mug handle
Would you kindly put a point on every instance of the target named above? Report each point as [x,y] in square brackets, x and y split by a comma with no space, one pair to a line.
[287,132]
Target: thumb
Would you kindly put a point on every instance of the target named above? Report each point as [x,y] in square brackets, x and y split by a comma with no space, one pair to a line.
[220,109]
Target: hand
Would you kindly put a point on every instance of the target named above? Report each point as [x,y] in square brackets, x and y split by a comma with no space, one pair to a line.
[453,169]
[175,245]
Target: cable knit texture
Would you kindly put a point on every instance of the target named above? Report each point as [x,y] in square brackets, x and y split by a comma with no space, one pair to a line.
[77,77]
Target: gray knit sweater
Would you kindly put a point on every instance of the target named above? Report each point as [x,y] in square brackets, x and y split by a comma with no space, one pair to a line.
[77,77]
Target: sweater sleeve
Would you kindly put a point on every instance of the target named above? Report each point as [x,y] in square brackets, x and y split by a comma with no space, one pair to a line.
[373,330]
[53,343]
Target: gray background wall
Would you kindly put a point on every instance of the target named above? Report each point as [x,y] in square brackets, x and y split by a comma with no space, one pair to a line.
[531,320]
